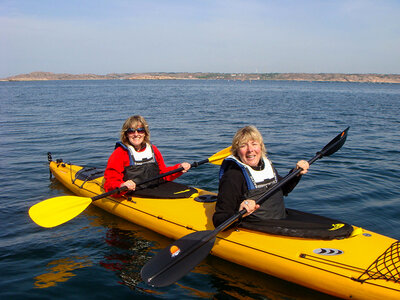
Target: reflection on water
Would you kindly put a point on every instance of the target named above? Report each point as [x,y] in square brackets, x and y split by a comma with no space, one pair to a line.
[131,246]
[60,270]
[235,281]
[126,255]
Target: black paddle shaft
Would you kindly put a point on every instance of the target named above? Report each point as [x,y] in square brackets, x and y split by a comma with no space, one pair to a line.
[124,188]
[173,262]
[328,150]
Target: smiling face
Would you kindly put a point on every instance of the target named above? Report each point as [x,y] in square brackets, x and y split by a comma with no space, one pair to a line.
[250,153]
[135,132]
[248,146]
[136,138]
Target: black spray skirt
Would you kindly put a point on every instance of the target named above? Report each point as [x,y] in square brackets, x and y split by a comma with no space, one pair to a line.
[302,224]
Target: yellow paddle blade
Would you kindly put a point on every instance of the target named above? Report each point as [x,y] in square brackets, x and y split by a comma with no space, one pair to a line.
[55,211]
[218,157]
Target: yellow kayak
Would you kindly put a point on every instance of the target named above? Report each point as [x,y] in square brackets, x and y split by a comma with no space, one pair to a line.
[365,265]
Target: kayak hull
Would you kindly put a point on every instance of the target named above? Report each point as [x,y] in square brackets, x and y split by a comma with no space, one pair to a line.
[338,267]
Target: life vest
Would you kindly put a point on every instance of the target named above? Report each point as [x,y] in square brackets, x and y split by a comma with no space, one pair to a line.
[142,165]
[258,183]
[254,178]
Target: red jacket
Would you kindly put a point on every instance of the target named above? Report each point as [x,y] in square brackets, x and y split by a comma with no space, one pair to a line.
[119,159]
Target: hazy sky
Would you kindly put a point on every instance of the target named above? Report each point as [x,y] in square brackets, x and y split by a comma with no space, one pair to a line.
[127,36]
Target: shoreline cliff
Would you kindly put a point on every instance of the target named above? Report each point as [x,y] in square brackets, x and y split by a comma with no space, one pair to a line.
[324,77]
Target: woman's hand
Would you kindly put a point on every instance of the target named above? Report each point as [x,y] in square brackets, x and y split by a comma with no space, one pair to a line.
[249,205]
[303,165]
[186,166]
[131,185]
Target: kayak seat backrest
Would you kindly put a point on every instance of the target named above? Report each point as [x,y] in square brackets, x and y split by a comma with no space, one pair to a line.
[86,174]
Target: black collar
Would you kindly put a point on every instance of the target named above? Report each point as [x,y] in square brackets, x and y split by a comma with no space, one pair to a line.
[260,166]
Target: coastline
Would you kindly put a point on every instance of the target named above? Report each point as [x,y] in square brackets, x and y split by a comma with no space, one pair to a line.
[323,77]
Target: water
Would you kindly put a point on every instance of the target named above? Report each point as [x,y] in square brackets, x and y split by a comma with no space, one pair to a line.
[99,256]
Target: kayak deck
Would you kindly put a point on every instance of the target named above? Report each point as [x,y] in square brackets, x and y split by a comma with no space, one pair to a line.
[363,266]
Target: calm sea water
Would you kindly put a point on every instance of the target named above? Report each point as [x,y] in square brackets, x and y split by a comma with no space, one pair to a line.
[99,256]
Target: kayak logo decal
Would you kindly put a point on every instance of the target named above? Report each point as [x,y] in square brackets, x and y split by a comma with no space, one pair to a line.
[174,250]
[336,226]
[328,251]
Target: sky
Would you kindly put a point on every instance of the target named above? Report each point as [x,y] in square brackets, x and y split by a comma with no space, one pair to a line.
[227,36]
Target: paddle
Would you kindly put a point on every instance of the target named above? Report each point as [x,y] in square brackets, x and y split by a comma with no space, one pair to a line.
[175,261]
[58,210]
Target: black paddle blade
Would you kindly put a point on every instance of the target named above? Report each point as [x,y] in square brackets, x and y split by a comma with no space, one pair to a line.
[178,259]
[335,144]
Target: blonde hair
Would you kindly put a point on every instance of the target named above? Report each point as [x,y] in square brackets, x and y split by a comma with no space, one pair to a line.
[134,122]
[244,135]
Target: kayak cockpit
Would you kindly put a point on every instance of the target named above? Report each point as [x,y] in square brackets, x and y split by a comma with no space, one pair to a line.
[303,225]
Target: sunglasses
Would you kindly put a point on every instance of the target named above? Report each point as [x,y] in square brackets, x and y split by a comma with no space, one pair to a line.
[138,130]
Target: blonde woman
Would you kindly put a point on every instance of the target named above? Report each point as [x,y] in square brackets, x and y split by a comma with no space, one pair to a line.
[245,176]
[135,159]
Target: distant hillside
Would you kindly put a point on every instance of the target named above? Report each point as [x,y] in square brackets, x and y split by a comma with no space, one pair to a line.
[338,77]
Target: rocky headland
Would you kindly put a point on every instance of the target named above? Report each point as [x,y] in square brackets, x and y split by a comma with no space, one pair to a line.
[335,77]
